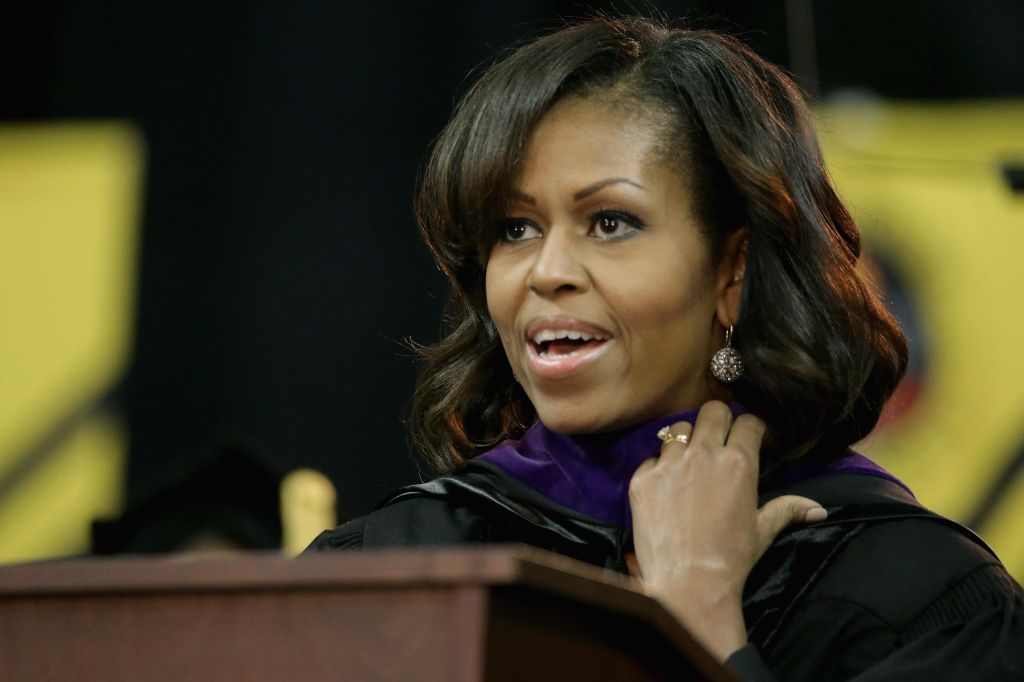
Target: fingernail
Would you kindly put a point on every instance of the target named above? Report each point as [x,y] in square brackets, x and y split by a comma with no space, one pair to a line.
[814,515]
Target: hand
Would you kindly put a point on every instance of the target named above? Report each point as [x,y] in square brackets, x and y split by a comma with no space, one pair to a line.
[697,528]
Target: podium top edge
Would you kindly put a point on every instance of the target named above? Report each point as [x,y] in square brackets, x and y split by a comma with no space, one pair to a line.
[358,569]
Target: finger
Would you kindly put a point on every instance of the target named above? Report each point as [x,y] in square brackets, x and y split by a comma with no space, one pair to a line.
[637,483]
[712,425]
[684,429]
[746,434]
[783,511]
[645,466]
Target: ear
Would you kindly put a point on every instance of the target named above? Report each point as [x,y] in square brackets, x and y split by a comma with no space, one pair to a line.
[729,285]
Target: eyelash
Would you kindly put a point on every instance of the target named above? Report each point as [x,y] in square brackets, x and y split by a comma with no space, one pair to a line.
[616,214]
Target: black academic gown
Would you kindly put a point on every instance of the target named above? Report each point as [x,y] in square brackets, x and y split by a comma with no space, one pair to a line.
[881,590]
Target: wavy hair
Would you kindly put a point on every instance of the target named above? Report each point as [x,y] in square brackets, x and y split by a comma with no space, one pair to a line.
[822,355]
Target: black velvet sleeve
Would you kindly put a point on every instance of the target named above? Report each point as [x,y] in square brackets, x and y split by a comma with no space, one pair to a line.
[749,666]
[908,600]
[346,536]
[413,522]
[975,631]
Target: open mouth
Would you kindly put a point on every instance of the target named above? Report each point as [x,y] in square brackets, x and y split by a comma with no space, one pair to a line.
[565,346]
[554,343]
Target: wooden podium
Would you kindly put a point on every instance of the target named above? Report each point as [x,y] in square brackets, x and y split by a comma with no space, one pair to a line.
[452,615]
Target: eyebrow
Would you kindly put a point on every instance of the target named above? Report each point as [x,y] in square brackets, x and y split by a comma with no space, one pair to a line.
[585,192]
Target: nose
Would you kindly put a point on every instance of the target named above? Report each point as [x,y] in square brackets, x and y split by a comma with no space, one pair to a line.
[557,266]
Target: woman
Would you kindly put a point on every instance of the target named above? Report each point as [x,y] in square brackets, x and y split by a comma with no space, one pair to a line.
[659,351]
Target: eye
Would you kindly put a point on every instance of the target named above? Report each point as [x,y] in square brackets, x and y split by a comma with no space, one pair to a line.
[517,230]
[614,225]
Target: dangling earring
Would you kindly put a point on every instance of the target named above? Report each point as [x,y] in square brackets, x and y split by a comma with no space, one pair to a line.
[726,363]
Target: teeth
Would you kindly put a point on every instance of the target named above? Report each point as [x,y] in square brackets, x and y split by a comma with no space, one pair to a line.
[546,335]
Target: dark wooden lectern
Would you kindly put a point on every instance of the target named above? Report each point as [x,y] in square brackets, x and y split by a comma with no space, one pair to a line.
[449,615]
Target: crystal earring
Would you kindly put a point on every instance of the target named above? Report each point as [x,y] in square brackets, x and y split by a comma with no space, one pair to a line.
[726,363]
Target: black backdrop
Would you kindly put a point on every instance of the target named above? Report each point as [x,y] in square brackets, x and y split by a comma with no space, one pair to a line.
[280,269]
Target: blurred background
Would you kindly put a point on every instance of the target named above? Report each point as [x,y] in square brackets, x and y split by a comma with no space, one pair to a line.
[209,270]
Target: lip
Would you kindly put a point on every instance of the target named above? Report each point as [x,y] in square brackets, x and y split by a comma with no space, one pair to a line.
[564,365]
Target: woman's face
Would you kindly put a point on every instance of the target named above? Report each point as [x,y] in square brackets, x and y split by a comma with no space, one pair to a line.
[602,287]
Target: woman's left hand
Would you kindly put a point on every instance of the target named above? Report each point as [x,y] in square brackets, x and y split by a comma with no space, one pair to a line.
[697,528]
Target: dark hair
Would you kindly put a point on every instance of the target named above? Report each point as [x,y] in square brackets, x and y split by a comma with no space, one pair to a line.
[822,355]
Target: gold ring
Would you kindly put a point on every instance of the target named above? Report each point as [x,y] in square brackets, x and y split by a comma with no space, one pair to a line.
[666,436]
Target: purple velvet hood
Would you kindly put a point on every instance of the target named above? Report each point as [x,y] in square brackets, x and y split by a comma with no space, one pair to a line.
[590,474]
